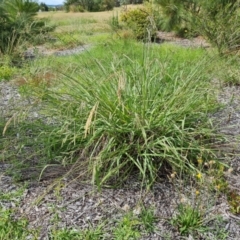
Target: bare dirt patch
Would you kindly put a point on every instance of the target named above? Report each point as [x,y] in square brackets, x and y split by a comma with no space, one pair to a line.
[170,37]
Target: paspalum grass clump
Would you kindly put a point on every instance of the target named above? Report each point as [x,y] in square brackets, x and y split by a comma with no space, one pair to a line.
[138,108]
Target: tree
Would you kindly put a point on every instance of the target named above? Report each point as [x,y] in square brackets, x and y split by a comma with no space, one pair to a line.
[43,7]
[90,5]
[216,20]
[219,23]
[179,15]
[18,23]
[183,14]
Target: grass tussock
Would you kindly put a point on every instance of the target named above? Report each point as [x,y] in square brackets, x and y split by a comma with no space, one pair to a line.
[139,107]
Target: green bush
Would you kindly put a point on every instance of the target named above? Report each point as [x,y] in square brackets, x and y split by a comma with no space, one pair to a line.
[75,8]
[141,22]
[10,226]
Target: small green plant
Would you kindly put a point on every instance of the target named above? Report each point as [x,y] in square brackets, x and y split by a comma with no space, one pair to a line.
[215,171]
[65,234]
[6,72]
[114,22]
[230,70]
[217,231]
[188,219]
[74,234]
[11,228]
[234,201]
[127,228]
[148,219]
[219,184]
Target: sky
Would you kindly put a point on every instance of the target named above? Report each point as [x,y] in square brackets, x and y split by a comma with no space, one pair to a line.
[52,2]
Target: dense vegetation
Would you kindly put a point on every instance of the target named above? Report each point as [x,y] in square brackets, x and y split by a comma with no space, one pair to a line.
[122,108]
[217,20]
[92,5]
[96,5]
[19,25]
[133,120]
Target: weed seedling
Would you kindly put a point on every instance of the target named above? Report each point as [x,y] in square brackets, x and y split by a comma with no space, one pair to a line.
[234,201]
[188,220]
[127,228]
[148,219]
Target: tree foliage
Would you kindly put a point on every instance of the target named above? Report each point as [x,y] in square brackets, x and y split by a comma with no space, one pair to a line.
[89,5]
[183,14]
[217,20]
[18,24]
[43,7]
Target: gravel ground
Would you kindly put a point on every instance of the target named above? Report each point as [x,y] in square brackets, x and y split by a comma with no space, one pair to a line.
[77,204]
[42,51]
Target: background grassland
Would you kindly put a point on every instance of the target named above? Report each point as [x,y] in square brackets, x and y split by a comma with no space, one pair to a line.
[79,28]
[82,28]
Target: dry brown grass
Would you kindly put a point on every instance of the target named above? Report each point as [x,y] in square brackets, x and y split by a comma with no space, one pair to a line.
[98,16]
[82,27]
[69,22]
[60,15]
[47,78]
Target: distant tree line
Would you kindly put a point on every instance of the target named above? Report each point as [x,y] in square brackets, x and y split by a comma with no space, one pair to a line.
[43,7]
[96,5]
[88,5]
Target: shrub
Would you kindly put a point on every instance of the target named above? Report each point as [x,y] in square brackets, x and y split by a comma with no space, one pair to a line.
[75,8]
[216,20]
[178,16]
[220,26]
[141,22]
